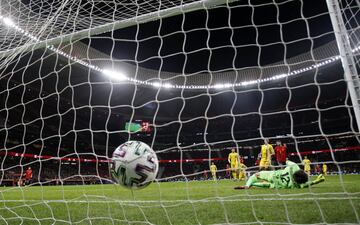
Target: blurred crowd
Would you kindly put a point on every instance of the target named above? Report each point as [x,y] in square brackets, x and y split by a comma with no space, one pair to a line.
[183,164]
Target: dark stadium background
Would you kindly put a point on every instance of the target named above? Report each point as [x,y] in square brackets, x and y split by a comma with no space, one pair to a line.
[300,110]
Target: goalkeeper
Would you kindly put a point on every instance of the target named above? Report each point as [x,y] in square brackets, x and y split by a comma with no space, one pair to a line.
[290,177]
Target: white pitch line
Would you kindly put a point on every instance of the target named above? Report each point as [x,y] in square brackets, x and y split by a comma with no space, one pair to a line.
[181,201]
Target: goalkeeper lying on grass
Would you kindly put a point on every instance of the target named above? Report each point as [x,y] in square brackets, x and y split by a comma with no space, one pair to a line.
[290,177]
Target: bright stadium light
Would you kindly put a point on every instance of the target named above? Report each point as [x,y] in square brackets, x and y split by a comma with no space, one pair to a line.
[121,77]
[156,84]
[8,22]
[167,85]
[114,75]
[218,86]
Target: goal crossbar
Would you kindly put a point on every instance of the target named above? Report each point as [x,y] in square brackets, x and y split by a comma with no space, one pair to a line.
[141,19]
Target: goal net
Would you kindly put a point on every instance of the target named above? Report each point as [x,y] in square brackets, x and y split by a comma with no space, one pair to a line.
[194,80]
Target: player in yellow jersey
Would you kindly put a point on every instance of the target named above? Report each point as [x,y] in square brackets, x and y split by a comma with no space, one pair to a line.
[307,167]
[324,169]
[242,173]
[213,170]
[266,152]
[233,159]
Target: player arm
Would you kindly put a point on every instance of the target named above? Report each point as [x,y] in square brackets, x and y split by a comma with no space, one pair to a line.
[272,152]
[310,183]
[229,158]
[318,180]
[269,155]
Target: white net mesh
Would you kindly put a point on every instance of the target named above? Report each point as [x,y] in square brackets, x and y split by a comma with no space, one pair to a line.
[193,79]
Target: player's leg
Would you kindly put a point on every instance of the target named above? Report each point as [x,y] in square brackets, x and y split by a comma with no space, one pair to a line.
[259,179]
[318,180]
[252,180]
[307,170]
[237,172]
[213,175]
[242,175]
[268,165]
[264,164]
[233,170]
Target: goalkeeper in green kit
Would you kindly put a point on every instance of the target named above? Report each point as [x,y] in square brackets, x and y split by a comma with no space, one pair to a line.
[290,177]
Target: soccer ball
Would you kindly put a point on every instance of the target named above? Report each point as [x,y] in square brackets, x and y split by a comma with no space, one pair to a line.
[134,165]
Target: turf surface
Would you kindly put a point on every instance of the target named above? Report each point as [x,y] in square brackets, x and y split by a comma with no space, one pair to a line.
[337,200]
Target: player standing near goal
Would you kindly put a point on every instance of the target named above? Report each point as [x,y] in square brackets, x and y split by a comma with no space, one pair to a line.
[290,177]
[266,153]
[205,174]
[213,170]
[307,167]
[28,176]
[317,169]
[324,168]
[280,153]
[233,159]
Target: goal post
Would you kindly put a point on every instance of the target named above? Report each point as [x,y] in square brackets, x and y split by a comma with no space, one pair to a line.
[347,57]
[140,19]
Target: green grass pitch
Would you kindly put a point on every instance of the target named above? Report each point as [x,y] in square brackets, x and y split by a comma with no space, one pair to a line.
[337,200]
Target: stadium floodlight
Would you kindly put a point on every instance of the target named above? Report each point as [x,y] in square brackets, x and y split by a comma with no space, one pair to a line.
[156,84]
[218,86]
[167,85]
[8,22]
[114,75]
[121,77]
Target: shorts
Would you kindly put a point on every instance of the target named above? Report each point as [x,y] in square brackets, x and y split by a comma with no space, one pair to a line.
[234,166]
[264,163]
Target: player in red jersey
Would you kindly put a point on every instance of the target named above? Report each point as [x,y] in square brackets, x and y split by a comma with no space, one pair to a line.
[257,162]
[318,169]
[205,174]
[242,159]
[280,153]
[28,176]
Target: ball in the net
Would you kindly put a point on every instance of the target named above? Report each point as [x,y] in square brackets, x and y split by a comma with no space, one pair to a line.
[134,165]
